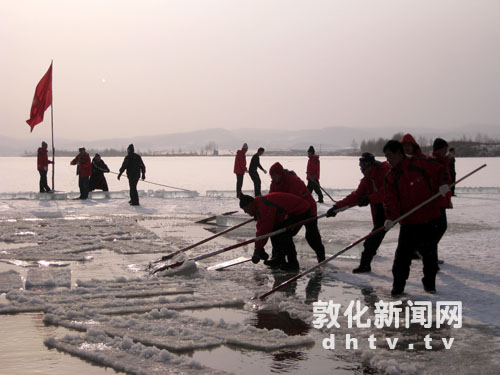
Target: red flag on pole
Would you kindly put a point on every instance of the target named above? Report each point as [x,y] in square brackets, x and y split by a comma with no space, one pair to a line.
[42,99]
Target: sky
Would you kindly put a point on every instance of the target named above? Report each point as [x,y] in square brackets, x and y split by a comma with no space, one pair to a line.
[124,68]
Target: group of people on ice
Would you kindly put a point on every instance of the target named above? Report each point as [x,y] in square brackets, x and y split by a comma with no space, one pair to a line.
[91,173]
[393,189]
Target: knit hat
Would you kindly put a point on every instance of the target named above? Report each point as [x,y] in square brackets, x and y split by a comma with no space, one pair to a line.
[366,159]
[276,168]
[130,147]
[245,146]
[245,200]
[438,144]
[311,149]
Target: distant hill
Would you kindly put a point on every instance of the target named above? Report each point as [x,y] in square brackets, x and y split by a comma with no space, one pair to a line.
[325,139]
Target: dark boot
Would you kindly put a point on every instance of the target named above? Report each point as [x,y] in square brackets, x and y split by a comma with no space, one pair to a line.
[364,264]
[292,265]
[320,255]
[275,262]
[363,268]
[429,286]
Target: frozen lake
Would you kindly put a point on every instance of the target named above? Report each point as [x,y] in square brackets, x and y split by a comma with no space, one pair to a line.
[214,173]
[102,307]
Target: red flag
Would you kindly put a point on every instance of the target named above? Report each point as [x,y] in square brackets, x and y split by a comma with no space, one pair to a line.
[42,99]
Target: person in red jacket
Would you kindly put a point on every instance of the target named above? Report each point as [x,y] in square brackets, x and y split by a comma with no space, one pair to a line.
[440,151]
[274,211]
[370,191]
[411,147]
[285,181]
[84,171]
[43,166]
[410,182]
[240,168]
[312,173]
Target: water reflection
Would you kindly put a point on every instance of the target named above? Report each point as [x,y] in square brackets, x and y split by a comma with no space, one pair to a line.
[282,321]
[283,360]
[313,287]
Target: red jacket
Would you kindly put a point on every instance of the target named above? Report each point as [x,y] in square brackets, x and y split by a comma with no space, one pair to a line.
[42,159]
[313,167]
[445,201]
[240,162]
[408,138]
[291,183]
[410,183]
[371,187]
[274,208]
[84,165]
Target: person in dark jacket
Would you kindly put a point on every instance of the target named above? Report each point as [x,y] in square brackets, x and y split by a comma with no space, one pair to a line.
[439,154]
[285,181]
[134,166]
[84,171]
[410,182]
[240,168]
[370,191]
[312,173]
[274,211]
[252,171]
[98,180]
[43,166]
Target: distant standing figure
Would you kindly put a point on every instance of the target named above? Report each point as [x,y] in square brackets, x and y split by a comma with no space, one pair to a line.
[453,173]
[240,167]
[98,180]
[84,171]
[252,170]
[134,166]
[43,166]
[313,173]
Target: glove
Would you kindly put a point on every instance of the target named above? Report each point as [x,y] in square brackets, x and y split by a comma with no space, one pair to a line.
[388,224]
[258,254]
[444,189]
[119,176]
[143,177]
[363,202]
[332,212]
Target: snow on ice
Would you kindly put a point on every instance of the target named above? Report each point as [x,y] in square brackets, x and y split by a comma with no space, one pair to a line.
[83,264]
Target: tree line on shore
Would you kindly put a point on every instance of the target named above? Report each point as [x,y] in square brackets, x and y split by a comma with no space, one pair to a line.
[481,146]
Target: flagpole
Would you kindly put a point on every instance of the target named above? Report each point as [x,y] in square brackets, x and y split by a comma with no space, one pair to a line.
[52,124]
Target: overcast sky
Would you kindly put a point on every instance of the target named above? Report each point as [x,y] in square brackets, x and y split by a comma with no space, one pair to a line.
[127,68]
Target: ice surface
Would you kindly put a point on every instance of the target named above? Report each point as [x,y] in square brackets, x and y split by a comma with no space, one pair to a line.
[123,354]
[49,278]
[10,280]
[135,322]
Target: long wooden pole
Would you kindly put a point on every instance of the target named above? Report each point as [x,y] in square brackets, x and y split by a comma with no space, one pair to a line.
[171,255]
[239,244]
